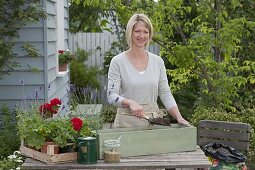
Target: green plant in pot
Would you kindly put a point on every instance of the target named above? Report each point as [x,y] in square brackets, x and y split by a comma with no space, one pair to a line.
[36,124]
[64,57]
[31,126]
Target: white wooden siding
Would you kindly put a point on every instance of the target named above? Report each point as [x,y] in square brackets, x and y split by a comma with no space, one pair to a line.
[43,36]
[21,92]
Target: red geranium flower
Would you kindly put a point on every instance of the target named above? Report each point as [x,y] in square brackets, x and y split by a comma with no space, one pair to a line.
[45,107]
[55,102]
[77,123]
[61,51]
[48,109]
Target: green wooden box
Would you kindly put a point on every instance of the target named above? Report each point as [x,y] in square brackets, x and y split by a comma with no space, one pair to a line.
[151,140]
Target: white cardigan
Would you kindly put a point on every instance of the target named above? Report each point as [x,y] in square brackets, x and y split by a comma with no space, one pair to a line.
[125,81]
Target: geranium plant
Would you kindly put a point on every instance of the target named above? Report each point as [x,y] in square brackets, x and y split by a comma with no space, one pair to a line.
[64,56]
[80,129]
[35,126]
[48,109]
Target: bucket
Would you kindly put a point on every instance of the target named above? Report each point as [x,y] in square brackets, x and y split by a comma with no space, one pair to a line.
[87,150]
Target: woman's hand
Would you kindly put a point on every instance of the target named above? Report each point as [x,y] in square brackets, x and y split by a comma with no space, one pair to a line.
[182,121]
[174,111]
[136,109]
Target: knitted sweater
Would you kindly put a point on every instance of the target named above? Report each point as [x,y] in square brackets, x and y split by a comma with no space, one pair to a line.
[125,81]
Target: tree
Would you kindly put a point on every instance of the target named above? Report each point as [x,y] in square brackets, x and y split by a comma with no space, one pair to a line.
[89,16]
[205,47]
[208,44]
[13,15]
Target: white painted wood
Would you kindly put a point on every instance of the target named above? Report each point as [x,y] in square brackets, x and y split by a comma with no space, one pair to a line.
[60,25]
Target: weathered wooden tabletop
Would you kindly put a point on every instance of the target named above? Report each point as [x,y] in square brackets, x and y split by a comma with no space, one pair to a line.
[192,159]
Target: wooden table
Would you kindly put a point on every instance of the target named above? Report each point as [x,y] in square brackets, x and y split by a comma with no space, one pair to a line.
[192,159]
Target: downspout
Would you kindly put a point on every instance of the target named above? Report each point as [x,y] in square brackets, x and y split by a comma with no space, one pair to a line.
[45,44]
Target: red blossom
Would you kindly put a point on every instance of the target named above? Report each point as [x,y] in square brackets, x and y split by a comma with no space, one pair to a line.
[77,123]
[54,111]
[61,51]
[55,102]
[45,107]
[48,109]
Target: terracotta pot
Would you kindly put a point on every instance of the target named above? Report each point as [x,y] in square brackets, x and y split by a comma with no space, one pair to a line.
[55,148]
[62,67]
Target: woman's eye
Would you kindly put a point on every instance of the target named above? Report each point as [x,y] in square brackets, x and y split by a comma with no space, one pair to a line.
[144,32]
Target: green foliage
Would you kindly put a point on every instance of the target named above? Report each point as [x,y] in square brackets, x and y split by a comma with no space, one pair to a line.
[9,139]
[208,45]
[81,55]
[30,125]
[108,113]
[13,161]
[8,164]
[65,57]
[82,75]
[30,49]
[34,130]
[14,15]
[6,58]
[113,51]
[84,80]
[185,97]
[201,41]
[88,16]
[202,52]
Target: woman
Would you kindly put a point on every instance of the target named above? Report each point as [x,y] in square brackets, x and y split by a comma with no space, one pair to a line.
[137,77]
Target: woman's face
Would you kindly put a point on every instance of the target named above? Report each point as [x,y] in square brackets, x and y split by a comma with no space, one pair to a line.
[140,35]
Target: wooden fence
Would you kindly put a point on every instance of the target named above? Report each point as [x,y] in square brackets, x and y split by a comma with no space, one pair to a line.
[97,44]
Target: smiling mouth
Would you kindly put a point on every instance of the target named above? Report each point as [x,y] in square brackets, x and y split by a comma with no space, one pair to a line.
[140,40]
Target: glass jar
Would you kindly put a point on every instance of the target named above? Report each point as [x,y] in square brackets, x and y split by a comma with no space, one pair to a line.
[112,151]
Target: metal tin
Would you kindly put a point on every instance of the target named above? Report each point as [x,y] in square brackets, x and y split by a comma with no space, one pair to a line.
[87,150]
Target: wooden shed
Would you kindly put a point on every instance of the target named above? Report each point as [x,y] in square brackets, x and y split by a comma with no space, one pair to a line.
[48,36]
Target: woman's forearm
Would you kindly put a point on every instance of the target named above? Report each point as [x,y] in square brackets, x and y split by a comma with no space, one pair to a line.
[126,103]
[174,111]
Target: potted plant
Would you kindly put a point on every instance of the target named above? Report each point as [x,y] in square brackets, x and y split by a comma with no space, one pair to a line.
[37,125]
[31,127]
[64,58]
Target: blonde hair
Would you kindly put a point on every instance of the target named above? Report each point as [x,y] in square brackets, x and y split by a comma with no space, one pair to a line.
[130,26]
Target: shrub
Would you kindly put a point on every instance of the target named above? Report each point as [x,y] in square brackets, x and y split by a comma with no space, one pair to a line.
[84,80]
[108,113]
[13,161]
[9,139]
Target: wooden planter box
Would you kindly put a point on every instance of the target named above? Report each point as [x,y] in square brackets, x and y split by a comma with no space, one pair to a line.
[48,158]
[152,140]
